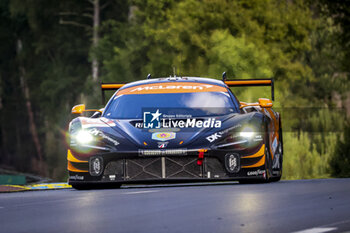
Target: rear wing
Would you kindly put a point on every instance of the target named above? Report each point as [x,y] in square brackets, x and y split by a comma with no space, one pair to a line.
[251,83]
[230,83]
[109,87]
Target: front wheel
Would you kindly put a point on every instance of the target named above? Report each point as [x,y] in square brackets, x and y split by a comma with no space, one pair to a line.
[280,157]
[267,176]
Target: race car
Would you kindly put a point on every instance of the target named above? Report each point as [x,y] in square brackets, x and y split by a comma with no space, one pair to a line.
[176,129]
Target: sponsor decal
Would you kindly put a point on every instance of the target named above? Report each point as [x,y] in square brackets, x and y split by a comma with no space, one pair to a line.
[162,145]
[152,120]
[171,87]
[232,163]
[163,136]
[164,130]
[97,132]
[275,173]
[276,162]
[112,177]
[214,136]
[178,87]
[169,152]
[274,145]
[257,138]
[96,166]
[256,173]
[76,177]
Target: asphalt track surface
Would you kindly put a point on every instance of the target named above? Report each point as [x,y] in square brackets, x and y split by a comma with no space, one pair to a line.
[286,206]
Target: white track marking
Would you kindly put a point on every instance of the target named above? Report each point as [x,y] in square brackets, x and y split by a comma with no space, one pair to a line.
[317,230]
[336,223]
[329,227]
[79,199]
[142,192]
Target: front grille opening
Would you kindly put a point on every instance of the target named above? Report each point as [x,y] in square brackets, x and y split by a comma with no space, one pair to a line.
[165,167]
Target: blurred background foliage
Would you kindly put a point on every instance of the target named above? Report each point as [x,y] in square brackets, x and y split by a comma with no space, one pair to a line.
[48,47]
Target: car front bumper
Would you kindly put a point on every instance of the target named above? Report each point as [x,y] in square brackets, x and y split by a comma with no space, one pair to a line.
[194,165]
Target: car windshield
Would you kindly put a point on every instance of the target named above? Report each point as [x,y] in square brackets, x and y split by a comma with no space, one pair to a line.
[198,104]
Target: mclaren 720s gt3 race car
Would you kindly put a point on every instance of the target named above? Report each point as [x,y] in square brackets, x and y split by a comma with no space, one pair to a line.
[173,130]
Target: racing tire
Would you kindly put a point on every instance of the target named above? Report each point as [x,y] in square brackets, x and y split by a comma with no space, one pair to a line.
[278,178]
[268,159]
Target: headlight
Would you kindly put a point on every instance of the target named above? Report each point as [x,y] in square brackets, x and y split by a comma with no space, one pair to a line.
[247,132]
[84,137]
[247,137]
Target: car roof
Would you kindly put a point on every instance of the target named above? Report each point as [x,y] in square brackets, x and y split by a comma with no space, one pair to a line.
[175,79]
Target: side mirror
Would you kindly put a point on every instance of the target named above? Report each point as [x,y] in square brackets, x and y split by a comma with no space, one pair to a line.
[78,109]
[265,103]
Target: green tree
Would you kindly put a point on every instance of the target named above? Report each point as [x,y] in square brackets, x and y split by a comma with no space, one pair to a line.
[340,162]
